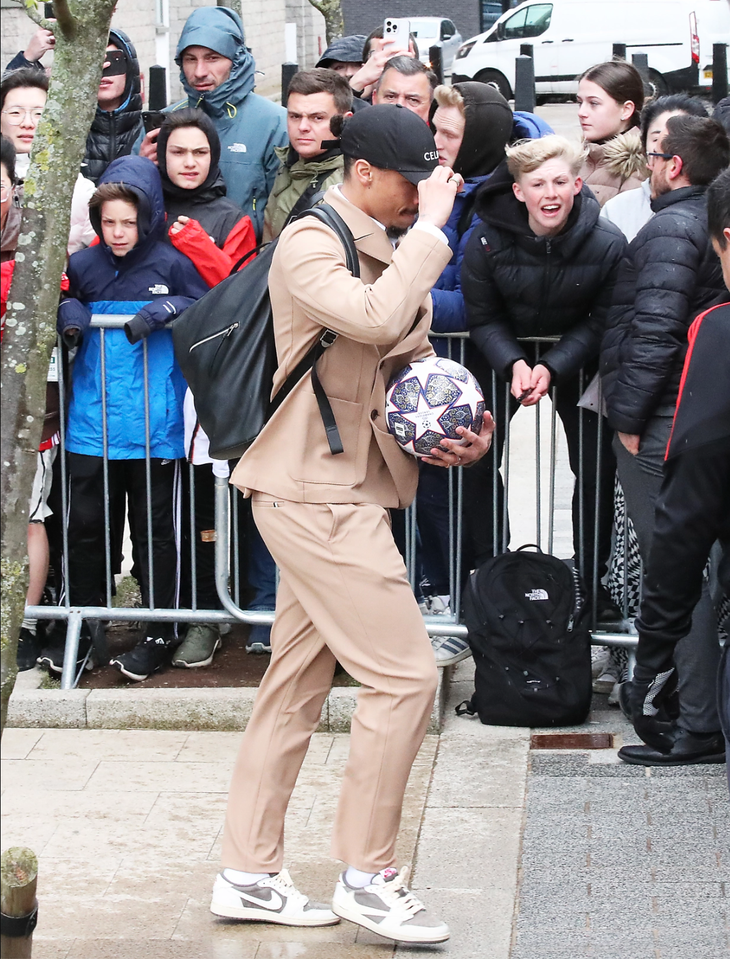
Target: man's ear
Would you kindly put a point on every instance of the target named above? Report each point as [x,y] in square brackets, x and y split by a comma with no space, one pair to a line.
[578,186]
[676,167]
[363,171]
[518,192]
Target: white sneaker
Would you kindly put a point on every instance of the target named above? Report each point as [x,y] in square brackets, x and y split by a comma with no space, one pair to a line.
[605,683]
[388,908]
[449,650]
[274,899]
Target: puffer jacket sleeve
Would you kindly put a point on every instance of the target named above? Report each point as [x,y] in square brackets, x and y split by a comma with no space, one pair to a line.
[582,342]
[647,326]
[486,312]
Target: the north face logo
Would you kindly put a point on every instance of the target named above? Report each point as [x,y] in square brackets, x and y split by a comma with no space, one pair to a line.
[536,594]
[237,147]
[159,289]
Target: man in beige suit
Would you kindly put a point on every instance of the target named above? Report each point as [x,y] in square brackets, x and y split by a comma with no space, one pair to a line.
[344,593]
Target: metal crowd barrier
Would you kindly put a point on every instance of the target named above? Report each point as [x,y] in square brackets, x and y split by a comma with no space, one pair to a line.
[227,580]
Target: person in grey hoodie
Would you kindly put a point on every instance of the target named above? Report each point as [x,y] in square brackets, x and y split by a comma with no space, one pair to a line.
[217,73]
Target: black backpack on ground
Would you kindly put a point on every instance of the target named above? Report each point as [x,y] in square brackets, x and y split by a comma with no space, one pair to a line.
[530,641]
[224,344]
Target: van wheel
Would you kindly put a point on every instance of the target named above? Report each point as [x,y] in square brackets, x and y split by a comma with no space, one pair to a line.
[657,85]
[497,80]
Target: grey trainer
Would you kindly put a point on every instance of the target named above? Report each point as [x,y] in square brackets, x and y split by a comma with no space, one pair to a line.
[388,907]
[274,899]
[198,647]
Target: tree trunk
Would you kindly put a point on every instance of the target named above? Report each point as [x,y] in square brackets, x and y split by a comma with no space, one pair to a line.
[334,21]
[81,29]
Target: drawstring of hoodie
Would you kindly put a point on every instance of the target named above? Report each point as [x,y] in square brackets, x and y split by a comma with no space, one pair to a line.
[231,108]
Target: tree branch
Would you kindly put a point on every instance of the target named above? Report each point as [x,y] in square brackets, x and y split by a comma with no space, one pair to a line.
[31,8]
[66,20]
[315,4]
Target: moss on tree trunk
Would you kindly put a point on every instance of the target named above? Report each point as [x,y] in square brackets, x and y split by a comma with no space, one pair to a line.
[81,29]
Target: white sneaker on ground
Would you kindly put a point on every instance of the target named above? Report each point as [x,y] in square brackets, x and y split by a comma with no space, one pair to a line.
[605,683]
[449,650]
[389,908]
[274,899]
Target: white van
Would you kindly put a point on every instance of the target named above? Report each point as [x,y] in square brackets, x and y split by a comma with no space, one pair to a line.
[569,36]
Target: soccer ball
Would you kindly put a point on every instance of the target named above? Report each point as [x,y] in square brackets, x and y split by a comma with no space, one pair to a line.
[428,400]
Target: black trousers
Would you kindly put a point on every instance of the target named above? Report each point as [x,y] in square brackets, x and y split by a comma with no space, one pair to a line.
[692,511]
[87,532]
[582,434]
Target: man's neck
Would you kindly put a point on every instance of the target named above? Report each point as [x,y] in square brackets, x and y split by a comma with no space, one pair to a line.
[111,107]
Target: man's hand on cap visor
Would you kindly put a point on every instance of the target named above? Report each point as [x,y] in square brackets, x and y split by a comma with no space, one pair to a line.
[436,195]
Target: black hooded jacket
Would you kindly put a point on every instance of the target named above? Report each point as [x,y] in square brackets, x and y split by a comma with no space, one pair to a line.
[516,284]
[114,133]
[208,203]
[669,276]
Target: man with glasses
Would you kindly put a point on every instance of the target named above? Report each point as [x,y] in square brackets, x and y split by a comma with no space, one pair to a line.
[670,275]
[23,96]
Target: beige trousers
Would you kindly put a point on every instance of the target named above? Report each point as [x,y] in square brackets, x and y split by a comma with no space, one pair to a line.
[343,595]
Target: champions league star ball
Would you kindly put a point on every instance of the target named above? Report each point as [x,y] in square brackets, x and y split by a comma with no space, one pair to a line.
[428,400]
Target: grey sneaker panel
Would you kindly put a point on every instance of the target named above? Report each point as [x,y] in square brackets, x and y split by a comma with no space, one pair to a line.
[369,900]
[423,919]
[263,893]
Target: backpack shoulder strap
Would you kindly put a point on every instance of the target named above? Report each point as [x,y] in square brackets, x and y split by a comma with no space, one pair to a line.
[328,215]
[334,221]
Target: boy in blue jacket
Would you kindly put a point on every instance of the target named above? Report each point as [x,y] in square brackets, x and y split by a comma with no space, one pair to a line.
[131,272]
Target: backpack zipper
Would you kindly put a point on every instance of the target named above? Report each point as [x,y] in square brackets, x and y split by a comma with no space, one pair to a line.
[227,332]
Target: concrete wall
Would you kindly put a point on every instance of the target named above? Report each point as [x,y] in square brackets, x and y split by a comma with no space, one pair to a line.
[156,40]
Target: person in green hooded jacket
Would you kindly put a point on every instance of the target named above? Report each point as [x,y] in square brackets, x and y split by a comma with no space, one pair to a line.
[217,73]
[312,161]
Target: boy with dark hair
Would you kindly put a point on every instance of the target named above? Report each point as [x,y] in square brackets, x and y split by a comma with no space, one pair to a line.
[692,511]
[307,166]
[131,271]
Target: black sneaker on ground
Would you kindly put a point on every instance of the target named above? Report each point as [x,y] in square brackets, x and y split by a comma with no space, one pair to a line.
[52,656]
[29,648]
[149,655]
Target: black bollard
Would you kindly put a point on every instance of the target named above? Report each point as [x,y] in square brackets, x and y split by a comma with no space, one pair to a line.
[525,84]
[158,88]
[436,56]
[719,72]
[527,50]
[619,51]
[287,72]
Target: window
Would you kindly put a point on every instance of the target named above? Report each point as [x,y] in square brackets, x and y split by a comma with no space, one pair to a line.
[528,22]
[448,29]
[424,29]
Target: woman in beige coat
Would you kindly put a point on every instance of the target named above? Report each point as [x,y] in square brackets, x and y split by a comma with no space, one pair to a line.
[610,98]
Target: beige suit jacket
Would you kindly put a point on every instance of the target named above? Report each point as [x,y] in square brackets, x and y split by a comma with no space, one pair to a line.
[312,288]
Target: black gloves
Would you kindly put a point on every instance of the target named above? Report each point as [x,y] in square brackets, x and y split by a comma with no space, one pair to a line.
[155,316]
[72,320]
[649,700]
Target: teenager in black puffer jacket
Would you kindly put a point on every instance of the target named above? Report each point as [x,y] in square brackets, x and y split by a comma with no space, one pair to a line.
[539,270]
[117,122]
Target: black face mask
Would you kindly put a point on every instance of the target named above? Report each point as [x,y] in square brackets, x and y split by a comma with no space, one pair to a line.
[117,60]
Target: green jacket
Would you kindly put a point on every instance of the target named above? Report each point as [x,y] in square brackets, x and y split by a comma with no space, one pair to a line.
[292,180]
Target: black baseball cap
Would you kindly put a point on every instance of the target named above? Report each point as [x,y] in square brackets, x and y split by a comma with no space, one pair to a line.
[391,138]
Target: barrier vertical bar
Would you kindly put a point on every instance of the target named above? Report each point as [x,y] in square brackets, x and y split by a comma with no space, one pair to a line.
[105,469]
[148,477]
[193,539]
[538,463]
[495,469]
[64,472]
[69,676]
[553,463]
[234,523]
[580,480]
[505,460]
[596,523]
